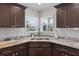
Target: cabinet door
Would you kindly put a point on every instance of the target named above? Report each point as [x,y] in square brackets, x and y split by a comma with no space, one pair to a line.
[74,15]
[22,52]
[34,52]
[56,52]
[61,17]
[40,51]
[46,52]
[5,14]
[19,17]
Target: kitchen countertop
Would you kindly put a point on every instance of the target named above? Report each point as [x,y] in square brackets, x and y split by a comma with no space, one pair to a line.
[74,43]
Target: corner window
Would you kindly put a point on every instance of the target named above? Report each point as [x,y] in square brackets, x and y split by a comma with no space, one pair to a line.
[31,23]
[47,24]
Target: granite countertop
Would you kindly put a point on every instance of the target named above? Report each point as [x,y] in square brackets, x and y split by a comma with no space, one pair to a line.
[74,43]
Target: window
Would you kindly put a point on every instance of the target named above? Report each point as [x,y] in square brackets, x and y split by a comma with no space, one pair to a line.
[31,23]
[47,24]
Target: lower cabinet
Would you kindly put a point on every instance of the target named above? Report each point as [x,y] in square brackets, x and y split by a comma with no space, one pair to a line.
[18,50]
[61,50]
[17,53]
[39,51]
[22,52]
[34,51]
[60,53]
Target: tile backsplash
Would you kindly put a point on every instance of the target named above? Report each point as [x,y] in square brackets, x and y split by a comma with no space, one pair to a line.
[68,32]
[11,32]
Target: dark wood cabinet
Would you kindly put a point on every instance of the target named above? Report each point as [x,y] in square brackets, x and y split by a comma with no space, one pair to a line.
[46,51]
[12,15]
[74,15]
[18,50]
[67,15]
[5,15]
[18,16]
[60,50]
[22,52]
[39,49]
[61,17]
[34,51]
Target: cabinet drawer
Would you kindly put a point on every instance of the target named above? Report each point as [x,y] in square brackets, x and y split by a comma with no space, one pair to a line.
[39,44]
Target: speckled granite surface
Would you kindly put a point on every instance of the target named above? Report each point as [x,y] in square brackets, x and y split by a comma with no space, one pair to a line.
[74,43]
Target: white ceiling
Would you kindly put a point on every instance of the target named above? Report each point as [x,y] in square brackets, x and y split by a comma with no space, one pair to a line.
[37,7]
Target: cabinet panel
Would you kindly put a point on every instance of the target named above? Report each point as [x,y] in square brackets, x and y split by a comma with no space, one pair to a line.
[19,17]
[74,15]
[60,50]
[61,17]
[18,50]
[34,52]
[39,51]
[12,15]
[5,14]
[67,16]
[22,52]
[46,52]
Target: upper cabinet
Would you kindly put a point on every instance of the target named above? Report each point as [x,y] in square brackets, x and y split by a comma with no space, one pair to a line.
[5,15]
[67,15]
[61,17]
[12,15]
[74,15]
[18,16]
